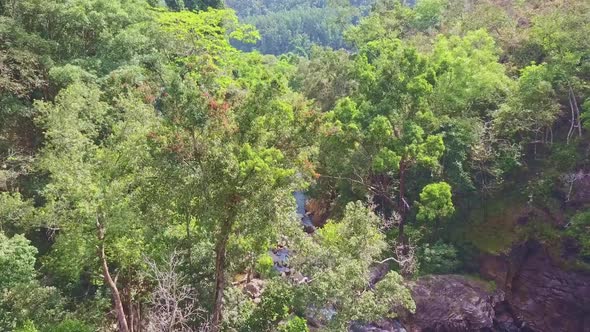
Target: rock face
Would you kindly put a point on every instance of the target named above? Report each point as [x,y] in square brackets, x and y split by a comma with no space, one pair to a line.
[452,303]
[580,193]
[254,289]
[449,303]
[539,293]
[387,325]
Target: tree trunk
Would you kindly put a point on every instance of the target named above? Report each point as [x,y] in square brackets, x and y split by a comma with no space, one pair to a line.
[402,200]
[220,256]
[576,117]
[121,318]
[189,241]
[577,109]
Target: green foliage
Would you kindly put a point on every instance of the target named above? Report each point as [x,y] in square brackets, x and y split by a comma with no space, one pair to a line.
[71,325]
[17,260]
[325,77]
[15,212]
[24,303]
[32,302]
[63,76]
[393,294]
[389,125]
[273,308]
[97,183]
[469,75]
[295,324]
[339,271]
[438,258]
[264,265]
[295,26]
[128,127]
[193,4]
[428,14]
[435,202]
[28,326]
[388,20]
[578,229]
[533,107]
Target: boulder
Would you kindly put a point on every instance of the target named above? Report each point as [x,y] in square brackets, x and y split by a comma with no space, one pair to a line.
[541,294]
[386,325]
[452,303]
[254,288]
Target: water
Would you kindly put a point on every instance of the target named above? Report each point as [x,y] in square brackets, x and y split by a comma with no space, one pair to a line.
[280,255]
[300,199]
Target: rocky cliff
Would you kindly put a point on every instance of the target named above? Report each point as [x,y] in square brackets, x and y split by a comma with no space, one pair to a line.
[529,290]
[541,293]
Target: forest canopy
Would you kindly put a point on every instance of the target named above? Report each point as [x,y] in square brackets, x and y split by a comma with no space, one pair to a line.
[150,152]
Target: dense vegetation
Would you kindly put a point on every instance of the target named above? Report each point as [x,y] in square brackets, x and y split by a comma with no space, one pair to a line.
[294,26]
[147,166]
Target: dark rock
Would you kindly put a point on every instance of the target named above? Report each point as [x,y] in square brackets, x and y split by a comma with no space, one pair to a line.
[318,210]
[377,273]
[387,325]
[309,229]
[254,288]
[541,294]
[452,303]
[504,320]
[580,193]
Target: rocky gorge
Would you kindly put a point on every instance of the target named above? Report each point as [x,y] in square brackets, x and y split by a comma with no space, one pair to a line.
[528,288]
[525,290]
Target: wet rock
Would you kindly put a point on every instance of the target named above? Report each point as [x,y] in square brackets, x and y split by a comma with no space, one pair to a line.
[306,221]
[318,210]
[504,320]
[280,258]
[308,228]
[254,288]
[451,303]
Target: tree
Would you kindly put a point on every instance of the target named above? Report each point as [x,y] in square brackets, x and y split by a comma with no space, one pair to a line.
[338,272]
[469,79]
[326,77]
[178,5]
[389,19]
[229,145]
[532,109]
[22,299]
[17,260]
[94,161]
[392,128]
[428,14]
[435,202]
[561,33]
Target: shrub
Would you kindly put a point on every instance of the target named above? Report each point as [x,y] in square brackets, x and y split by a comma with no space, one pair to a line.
[438,258]
[264,265]
[295,324]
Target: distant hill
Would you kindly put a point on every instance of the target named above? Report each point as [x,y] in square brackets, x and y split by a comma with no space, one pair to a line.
[294,25]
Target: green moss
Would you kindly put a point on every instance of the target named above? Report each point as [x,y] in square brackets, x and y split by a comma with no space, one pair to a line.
[489,285]
[492,228]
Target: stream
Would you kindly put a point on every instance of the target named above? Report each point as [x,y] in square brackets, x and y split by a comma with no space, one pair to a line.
[280,255]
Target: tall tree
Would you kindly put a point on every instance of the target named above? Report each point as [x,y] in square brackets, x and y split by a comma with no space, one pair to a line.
[95,159]
[392,127]
[230,139]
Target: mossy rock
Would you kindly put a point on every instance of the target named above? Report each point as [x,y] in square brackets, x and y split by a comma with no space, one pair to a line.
[493,228]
